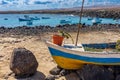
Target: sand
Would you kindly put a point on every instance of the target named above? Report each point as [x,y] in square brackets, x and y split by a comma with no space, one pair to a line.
[38,47]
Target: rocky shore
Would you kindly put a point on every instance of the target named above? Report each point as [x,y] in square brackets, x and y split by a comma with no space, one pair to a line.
[88,72]
[26,30]
[103,13]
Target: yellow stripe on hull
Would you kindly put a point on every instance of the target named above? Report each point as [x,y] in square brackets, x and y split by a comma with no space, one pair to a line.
[68,63]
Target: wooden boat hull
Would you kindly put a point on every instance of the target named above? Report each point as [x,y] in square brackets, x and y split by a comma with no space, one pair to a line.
[70,59]
[68,63]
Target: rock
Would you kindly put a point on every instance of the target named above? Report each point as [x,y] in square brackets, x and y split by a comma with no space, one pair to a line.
[116,70]
[64,72]
[93,72]
[55,71]
[23,63]
[50,77]
[118,77]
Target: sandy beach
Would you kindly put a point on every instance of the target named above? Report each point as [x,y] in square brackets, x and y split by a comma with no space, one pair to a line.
[38,47]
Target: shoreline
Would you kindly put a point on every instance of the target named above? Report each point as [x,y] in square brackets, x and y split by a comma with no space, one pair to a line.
[26,30]
[108,12]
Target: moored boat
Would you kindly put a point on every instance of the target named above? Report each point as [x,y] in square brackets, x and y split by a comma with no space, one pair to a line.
[64,22]
[5,18]
[21,19]
[90,18]
[45,17]
[72,57]
[96,21]
[34,18]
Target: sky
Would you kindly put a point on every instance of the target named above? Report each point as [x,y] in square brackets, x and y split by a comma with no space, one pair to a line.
[6,5]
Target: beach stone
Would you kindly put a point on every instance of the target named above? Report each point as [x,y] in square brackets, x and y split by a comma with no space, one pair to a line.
[23,63]
[64,72]
[55,71]
[94,72]
[50,77]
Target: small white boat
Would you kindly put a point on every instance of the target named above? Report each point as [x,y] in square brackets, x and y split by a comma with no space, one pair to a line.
[96,21]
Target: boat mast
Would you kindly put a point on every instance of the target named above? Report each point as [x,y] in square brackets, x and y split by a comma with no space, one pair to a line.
[79,24]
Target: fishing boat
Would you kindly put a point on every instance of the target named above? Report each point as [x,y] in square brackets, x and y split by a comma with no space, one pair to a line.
[45,17]
[90,18]
[69,56]
[34,18]
[5,18]
[23,19]
[29,19]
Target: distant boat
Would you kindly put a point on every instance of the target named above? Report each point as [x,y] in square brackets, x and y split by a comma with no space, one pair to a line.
[64,22]
[117,20]
[23,19]
[5,18]
[45,17]
[34,18]
[90,18]
[96,21]
[26,18]
[71,15]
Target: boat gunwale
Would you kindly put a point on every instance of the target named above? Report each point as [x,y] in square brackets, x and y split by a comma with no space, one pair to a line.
[85,53]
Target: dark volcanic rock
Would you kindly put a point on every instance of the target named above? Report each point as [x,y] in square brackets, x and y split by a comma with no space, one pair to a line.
[93,72]
[55,70]
[103,13]
[115,69]
[23,63]
[50,77]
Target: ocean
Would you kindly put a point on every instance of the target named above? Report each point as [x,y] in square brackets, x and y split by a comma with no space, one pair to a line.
[12,20]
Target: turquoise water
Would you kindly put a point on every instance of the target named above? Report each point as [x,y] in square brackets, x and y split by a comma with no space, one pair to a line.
[54,19]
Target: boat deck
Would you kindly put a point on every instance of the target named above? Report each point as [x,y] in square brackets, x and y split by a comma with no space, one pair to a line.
[73,47]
